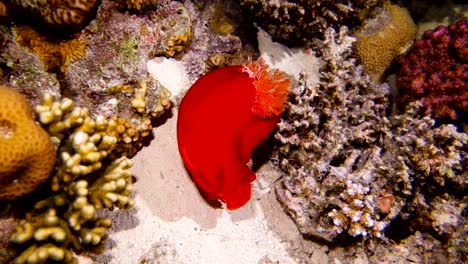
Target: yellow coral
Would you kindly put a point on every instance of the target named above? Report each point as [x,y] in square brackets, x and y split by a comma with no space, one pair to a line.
[27,155]
[176,40]
[3,10]
[53,54]
[86,180]
[136,5]
[383,38]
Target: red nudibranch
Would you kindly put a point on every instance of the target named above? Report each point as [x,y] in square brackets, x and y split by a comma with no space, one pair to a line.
[221,119]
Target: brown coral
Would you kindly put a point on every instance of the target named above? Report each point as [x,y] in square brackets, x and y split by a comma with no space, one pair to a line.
[383,38]
[54,54]
[27,154]
[137,5]
[295,22]
[59,14]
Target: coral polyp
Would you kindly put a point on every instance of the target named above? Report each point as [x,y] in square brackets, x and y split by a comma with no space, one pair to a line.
[435,70]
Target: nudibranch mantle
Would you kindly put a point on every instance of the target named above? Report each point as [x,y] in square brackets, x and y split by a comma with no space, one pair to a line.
[221,119]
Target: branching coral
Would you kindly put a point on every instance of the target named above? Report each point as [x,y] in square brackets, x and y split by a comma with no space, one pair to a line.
[27,155]
[383,38]
[347,166]
[88,178]
[297,21]
[435,72]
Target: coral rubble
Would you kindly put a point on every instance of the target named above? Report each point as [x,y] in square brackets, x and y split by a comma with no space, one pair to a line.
[295,22]
[27,155]
[383,38]
[435,72]
[350,168]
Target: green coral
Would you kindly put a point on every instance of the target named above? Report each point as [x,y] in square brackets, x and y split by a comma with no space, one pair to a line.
[128,53]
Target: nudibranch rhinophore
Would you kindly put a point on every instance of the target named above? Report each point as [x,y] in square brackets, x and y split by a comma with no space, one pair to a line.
[221,119]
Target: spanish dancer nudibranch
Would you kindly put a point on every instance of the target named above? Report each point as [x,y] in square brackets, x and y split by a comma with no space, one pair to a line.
[221,119]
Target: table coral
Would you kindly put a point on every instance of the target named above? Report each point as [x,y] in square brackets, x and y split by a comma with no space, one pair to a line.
[383,38]
[27,155]
[348,167]
[435,72]
[295,22]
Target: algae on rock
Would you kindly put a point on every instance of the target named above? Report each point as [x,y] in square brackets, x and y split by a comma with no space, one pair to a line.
[350,167]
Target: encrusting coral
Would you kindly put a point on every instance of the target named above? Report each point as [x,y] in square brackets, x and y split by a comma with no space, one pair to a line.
[350,168]
[137,5]
[27,155]
[434,72]
[54,54]
[297,21]
[176,41]
[383,38]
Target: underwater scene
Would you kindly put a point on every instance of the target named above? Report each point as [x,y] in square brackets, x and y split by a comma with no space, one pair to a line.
[233,132]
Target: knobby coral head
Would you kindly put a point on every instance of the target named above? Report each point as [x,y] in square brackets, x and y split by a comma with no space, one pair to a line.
[27,155]
[221,119]
[435,72]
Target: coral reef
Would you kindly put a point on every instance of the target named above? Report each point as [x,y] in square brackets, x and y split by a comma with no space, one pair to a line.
[214,47]
[7,227]
[61,14]
[348,168]
[88,178]
[54,54]
[176,41]
[295,22]
[219,22]
[435,70]
[99,110]
[115,64]
[27,155]
[24,71]
[383,38]
[137,5]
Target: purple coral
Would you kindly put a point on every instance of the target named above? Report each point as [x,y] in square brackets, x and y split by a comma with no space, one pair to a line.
[435,72]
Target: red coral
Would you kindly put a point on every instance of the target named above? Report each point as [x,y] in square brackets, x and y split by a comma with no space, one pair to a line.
[221,119]
[435,72]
